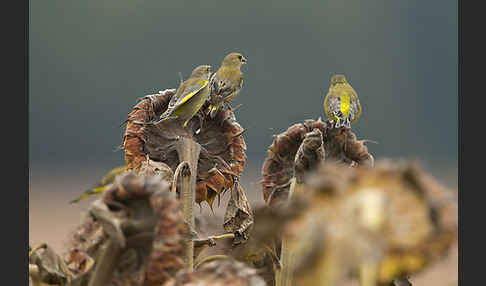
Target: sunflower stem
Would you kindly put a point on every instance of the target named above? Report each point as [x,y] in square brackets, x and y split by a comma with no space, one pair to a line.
[188,151]
[284,275]
[105,264]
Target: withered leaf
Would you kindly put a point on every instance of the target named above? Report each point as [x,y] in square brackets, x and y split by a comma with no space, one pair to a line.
[309,155]
[50,268]
[238,217]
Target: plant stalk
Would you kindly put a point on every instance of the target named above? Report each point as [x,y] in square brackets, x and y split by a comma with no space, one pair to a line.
[105,263]
[284,275]
[188,151]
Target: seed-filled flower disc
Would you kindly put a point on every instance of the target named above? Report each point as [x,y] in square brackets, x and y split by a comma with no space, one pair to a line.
[222,158]
[340,145]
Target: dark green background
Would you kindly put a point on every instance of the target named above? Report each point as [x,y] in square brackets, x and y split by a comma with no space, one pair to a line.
[91,59]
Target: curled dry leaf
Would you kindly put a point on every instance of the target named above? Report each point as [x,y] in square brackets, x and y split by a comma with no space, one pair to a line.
[219,273]
[309,155]
[135,234]
[238,217]
[339,145]
[47,268]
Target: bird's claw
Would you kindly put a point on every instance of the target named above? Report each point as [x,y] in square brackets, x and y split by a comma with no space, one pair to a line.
[200,242]
[211,242]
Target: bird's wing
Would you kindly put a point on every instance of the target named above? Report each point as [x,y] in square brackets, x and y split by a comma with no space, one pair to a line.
[187,92]
[191,90]
[230,89]
[110,176]
[228,85]
[333,104]
[353,108]
[214,83]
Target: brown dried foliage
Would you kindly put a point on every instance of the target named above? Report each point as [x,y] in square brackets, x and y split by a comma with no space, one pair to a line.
[223,147]
[238,217]
[219,273]
[413,225]
[145,220]
[46,267]
[259,250]
[338,144]
[167,253]
[309,155]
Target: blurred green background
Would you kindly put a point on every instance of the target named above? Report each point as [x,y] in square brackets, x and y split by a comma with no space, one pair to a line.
[91,59]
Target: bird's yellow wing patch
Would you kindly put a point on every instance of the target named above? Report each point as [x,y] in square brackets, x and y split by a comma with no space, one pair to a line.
[345,104]
[193,90]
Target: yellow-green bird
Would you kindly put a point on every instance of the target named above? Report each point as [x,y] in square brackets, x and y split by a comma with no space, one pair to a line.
[341,103]
[190,96]
[226,83]
[101,186]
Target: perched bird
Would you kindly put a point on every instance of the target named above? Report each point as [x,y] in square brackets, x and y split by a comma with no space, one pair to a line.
[341,103]
[148,168]
[105,181]
[190,96]
[226,82]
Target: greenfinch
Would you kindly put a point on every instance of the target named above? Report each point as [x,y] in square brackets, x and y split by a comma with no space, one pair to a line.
[101,186]
[341,103]
[226,82]
[148,168]
[190,96]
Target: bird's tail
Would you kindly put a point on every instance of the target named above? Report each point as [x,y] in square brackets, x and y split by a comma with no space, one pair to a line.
[165,115]
[342,121]
[88,193]
[347,122]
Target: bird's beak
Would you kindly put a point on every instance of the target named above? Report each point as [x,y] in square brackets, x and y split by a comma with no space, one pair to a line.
[243,60]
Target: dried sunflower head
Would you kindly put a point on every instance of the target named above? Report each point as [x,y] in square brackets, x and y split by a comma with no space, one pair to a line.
[338,145]
[393,218]
[222,157]
[144,219]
